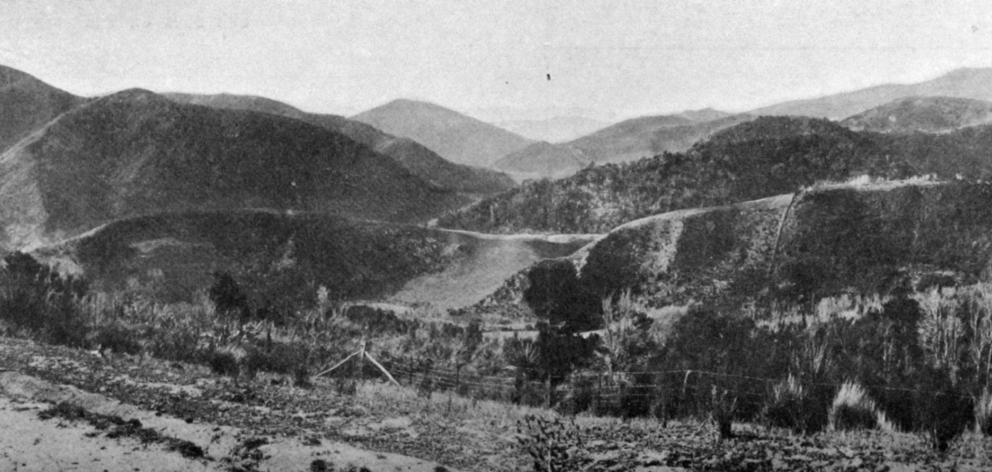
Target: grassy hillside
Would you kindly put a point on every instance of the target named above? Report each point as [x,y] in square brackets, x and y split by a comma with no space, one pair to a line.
[26,104]
[287,257]
[833,239]
[962,83]
[135,153]
[416,158]
[755,159]
[922,114]
[454,136]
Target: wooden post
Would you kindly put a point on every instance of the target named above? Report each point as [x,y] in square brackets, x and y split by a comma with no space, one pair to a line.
[547,391]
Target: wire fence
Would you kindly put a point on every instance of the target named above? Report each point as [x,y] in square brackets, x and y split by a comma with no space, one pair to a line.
[663,392]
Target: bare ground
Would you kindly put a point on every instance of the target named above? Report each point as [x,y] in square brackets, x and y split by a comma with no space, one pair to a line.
[259,425]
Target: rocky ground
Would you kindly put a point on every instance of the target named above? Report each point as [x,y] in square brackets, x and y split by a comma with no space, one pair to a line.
[75,410]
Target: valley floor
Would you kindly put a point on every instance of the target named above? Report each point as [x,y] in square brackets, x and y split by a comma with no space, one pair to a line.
[265,424]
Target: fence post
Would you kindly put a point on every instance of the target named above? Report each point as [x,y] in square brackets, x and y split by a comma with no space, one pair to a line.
[547,387]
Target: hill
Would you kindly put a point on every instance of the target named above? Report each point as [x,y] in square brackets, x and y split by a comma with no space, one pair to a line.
[27,103]
[543,160]
[286,257]
[555,130]
[416,158]
[922,114]
[135,152]
[974,83]
[755,159]
[842,238]
[622,142]
[454,136]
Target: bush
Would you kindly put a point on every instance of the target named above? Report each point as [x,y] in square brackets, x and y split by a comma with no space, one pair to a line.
[853,409]
[40,302]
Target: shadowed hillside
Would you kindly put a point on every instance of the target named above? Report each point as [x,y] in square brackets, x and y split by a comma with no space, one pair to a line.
[416,158]
[134,152]
[972,83]
[856,238]
[287,257]
[26,104]
[922,114]
[456,137]
[764,157]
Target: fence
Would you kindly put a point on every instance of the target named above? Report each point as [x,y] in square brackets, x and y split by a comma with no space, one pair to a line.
[661,393]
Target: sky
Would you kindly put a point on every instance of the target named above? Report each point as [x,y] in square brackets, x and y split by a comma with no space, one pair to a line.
[496,59]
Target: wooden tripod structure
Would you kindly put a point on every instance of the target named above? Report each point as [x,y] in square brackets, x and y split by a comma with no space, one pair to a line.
[363,355]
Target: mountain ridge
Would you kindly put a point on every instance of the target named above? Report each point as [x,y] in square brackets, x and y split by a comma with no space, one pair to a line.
[454,136]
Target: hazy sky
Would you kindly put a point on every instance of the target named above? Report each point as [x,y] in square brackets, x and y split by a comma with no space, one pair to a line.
[613,59]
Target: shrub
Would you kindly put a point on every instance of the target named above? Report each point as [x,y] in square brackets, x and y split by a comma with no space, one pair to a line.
[40,302]
[787,405]
[983,413]
[853,409]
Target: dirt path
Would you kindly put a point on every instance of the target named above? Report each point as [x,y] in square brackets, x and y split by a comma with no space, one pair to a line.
[61,442]
[28,443]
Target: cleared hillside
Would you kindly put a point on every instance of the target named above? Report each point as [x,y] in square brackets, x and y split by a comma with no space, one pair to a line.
[755,159]
[922,114]
[454,136]
[135,153]
[27,103]
[833,239]
[416,158]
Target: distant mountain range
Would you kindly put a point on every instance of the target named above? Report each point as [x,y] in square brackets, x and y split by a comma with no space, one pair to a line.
[622,142]
[454,136]
[922,114]
[973,83]
[419,160]
[754,159]
[135,152]
[557,129]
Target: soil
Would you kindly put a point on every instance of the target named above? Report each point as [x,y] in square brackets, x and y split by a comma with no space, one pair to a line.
[268,424]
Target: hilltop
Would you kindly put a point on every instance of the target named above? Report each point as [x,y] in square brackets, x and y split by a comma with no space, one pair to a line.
[922,114]
[416,158]
[755,159]
[454,136]
[135,152]
[974,83]
[27,103]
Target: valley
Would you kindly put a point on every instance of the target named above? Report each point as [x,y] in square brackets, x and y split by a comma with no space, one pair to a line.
[217,281]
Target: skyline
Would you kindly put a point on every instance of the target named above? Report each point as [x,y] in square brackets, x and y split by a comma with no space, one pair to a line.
[603,60]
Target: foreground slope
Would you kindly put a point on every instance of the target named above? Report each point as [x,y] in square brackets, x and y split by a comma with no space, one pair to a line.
[796,248]
[416,158]
[975,83]
[27,103]
[922,114]
[134,153]
[287,257]
[456,137]
[755,159]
